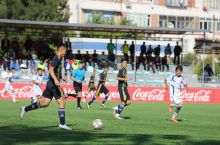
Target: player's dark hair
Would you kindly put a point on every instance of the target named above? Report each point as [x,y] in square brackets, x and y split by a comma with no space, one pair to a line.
[80,62]
[39,69]
[179,68]
[61,46]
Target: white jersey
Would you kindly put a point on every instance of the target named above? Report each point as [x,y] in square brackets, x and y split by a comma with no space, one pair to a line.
[175,84]
[37,87]
[10,75]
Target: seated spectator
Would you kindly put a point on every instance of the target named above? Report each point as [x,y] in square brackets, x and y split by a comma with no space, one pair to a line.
[41,65]
[28,44]
[78,56]
[11,54]
[150,63]
[88,59]
[164,63]
[208,73]
[157,63]
[111,60]
[15,45]
[6,64]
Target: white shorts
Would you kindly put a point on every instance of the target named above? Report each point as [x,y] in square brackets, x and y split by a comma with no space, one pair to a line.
[177,99]
[37,92]
[8,87]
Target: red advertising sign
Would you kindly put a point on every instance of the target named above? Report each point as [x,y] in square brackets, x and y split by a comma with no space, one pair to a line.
[138,94]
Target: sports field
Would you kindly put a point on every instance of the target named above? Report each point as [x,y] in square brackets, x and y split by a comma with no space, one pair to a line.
[144,123]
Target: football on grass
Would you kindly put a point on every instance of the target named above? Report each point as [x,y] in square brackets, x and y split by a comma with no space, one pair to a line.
[97,124]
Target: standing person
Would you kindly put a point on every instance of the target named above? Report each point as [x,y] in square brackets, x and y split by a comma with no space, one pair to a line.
[15,46]
[141,60]
[37,81]
[68,46]
[111,47]
[176,81]
[167,50]
[132,53]
[28,44]
[87,58]
[122,89]
[157,51]
[94,58]
[91,85]
[53,89]
[5,44]
[150,63]
[125,50]
[177,52]
[8,85]
[78,56]
[78,78]
[157,63]
[150,50]
[164,63]
[208,73]
[101,88]
[143,48]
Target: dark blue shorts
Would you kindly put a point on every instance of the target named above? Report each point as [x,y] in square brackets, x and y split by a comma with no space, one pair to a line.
[53,91]
[124,95]
[101,89]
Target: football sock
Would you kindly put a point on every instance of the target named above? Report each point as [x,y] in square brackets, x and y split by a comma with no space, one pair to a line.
[61,113]
[105,99]
[175,113]
[93,99]
[33,106]
[120,108]
[78,101]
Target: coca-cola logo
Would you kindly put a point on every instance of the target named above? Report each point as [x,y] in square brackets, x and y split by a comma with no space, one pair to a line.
[199,96]
[150,95]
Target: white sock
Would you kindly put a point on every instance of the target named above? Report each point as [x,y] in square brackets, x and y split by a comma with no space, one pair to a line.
[174,115]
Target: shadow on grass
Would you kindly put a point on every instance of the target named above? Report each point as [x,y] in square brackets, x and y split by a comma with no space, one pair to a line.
[52,135]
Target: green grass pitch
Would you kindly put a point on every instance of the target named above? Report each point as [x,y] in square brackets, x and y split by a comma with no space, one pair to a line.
[145,123]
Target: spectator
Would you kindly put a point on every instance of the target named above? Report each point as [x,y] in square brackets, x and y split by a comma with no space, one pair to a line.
[177,52]
[150,63]
[111,60]
[110,47]
[164,63]
[168,51]
[15,45]
[6,64]
[157,63]
[150,50]
[94,58]
[125,50]
[28,44]
[208,73]
[11,54]
[41,65]
[102,56]
[5,44]
[132,51]
[141,60]
[143,48]
[157,51]
[68,44]
[78,56]
[87,59]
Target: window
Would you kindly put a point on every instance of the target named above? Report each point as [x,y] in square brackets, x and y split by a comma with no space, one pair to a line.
[218,25]
[148,1]
[163,21]
[139,19]
[213,4]
[106,15]
[205,23]
[177,3]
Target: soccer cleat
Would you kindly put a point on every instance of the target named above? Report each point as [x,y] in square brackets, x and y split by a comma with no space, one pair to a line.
[170,108]
[65,127]
[22,112]
[103,105]
[117,116]
[88,106]
[173,120]
[15,101]
[115,110]
[79,107]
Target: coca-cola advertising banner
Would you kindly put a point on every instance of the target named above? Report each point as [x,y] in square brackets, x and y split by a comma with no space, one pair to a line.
[138,94]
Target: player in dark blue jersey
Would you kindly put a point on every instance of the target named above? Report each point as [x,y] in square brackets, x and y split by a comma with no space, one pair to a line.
[53,89]
[101,88]
[122,89]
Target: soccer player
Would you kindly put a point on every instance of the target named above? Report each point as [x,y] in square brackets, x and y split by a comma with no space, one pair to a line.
[53,89]
[122,89]
[176,82]
[91,86]
[37,81]
[101,88]
[78,78]
[8,86]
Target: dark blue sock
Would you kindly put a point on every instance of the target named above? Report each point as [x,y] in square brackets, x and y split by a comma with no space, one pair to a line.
[120,108]
[78,102]
[61,112]
[93,99]
[105,99]
[33,106]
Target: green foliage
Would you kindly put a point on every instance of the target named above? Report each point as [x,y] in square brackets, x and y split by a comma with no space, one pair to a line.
[41,10]
[189,58]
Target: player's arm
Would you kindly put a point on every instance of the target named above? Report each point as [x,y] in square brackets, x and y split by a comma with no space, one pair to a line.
[166,84]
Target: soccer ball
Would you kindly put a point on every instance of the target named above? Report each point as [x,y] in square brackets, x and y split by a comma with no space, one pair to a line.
[97,124]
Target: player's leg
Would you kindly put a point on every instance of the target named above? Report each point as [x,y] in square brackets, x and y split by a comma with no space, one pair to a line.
[107,94]
[178,105]
[94,97]
[79,100]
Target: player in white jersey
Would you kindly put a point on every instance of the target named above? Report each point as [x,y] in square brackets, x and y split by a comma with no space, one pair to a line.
[8,86]
[37,81]
[176,82]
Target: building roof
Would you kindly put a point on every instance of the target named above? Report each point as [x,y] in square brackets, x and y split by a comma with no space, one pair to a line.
[64,26]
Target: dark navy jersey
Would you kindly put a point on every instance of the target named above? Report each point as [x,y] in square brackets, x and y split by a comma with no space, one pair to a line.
[103,77]
[122,73]
[57,65]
